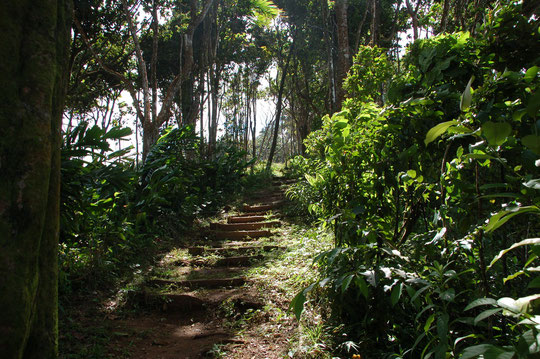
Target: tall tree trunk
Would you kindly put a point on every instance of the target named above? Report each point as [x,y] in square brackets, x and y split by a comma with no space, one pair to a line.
[153,62]
[278,107]
[413,13]
[375,19]
[34,55]
[344,52]
[444,16]
[151,120]
[332,96]
[214,103]
[254,126]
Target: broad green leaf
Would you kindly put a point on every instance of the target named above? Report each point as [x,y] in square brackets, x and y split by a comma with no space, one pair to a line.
[496,132]
[438,130]
[466,97]
[459,129]
[463,38]
[411,173]
[531,73]
[118,132]
[535,283]
[396,293]
[362,285]
[525,242]
[297,304]
[502,217]
[479,156]
[475,351]
[517,306]
[420,291]
[534,183]
[516,116]
[346,282]
[481,301]
[448,295]
[442,326]
[425,309]
[534,104]
[513,276]
[532,142]
[499,353]
[485,314]
[429,321]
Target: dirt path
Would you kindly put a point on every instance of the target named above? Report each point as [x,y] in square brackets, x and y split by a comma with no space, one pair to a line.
[200,302]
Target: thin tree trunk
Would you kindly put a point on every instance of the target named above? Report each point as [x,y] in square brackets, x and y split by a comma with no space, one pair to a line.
[254,128]
[360,28]
[332,96]
[153,62]
[278,108]
[34,60]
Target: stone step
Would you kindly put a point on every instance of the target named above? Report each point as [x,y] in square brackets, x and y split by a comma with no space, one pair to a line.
[270,189]
[251,214]
[262,196]
[199,283]
[165,301]
[265,200]
[242,234]
[262,207]
[223,250]
[251,217]
[191,301]
[243,226]
[238,260]
[234,261]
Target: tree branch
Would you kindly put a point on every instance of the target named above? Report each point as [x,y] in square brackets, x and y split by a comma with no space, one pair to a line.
[129,85]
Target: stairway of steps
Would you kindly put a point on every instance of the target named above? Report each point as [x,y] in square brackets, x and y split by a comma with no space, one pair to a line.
[216,272]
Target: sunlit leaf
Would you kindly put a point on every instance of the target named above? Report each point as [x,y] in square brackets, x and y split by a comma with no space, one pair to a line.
[525,242]
[411,173]
[438,130]
[504,216]
[466,97]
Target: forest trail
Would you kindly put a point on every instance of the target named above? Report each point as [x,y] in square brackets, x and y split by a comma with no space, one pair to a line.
[201,299]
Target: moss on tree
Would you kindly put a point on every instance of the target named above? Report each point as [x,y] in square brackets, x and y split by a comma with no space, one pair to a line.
[34,44]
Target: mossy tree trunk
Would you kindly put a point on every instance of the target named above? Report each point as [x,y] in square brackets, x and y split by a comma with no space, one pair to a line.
[34,45]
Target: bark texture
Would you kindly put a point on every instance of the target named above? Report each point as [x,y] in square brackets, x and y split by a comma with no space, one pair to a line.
[34,49]
[344,52]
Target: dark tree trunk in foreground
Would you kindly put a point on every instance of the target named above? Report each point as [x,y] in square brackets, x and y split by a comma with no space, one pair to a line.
[34,46]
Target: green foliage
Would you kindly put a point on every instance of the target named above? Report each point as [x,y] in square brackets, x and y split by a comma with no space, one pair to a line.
[111,213]
[421,193]
[96,185]
[368,75]
[177,181]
